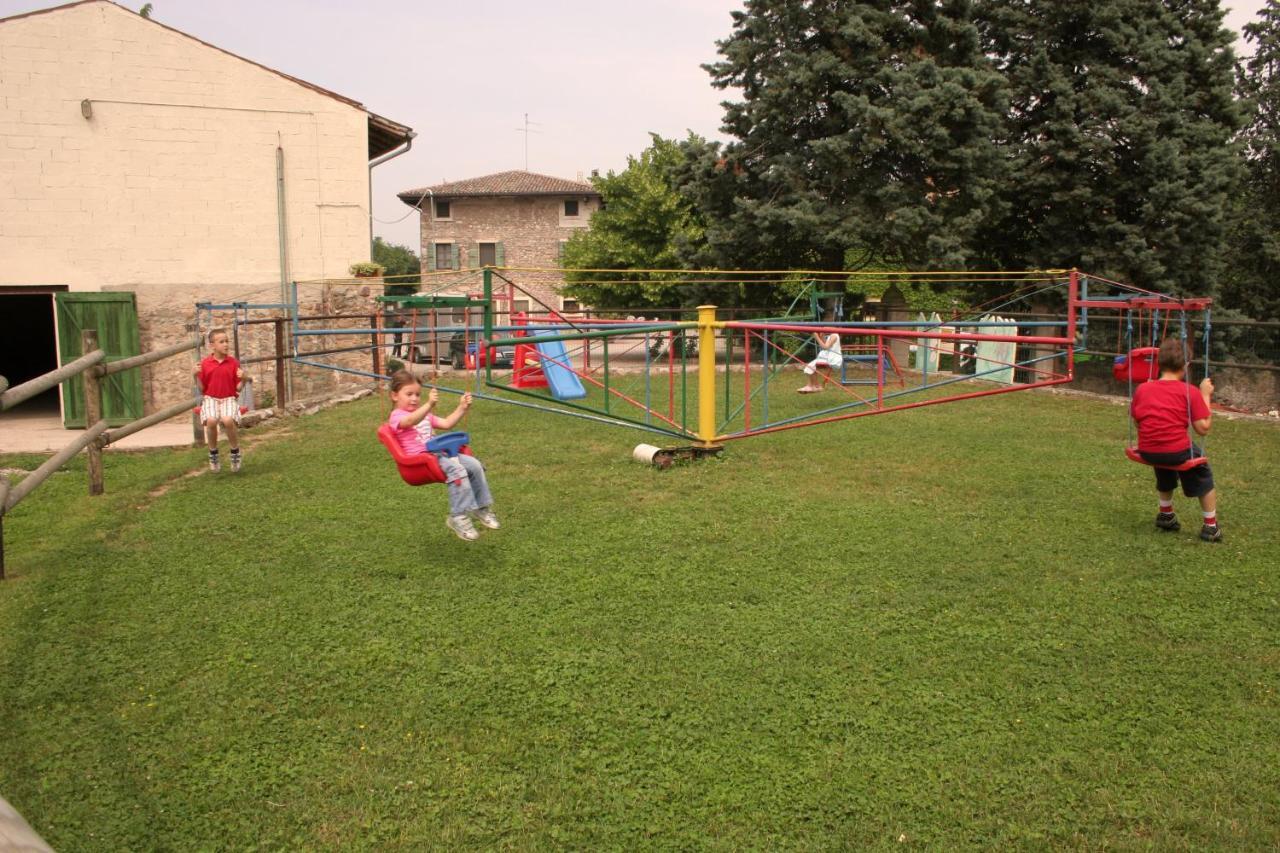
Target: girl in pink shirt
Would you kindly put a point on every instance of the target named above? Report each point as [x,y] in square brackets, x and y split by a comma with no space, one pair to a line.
[413,423]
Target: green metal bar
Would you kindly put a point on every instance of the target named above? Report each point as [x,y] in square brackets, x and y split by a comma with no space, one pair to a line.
[578,336]
[728,362]
[419,301]
[488,303]
[684,384]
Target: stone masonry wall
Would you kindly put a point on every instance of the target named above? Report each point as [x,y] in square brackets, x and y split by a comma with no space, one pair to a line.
[167,316]
[529,228]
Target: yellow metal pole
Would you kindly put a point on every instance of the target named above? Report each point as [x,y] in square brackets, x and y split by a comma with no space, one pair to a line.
[706,374]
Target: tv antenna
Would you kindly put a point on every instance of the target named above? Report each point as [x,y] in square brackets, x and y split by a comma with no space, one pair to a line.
[526,130]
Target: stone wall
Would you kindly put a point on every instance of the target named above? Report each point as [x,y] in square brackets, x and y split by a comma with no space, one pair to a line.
[530,229]
[166,315]
[1246,390]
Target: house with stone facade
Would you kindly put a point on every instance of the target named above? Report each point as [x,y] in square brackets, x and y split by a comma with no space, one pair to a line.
[516,219]
[143,170]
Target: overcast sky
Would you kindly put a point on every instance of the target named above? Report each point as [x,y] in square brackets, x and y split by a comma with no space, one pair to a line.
[596,76]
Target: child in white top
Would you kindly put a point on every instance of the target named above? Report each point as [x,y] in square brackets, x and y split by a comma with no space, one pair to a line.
[829,355]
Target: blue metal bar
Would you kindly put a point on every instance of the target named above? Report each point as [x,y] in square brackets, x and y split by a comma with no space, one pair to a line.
[351,370]
[1082,323]
[248,306]
[621,330]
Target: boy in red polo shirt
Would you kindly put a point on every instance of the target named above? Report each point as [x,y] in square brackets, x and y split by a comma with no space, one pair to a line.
[220,378]
[1163,409]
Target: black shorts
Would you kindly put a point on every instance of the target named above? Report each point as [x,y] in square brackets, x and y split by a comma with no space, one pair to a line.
[1196,481]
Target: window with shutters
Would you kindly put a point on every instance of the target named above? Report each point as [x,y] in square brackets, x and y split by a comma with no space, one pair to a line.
[444,256]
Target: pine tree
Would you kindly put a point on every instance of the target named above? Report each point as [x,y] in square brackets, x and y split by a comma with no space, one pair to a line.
[869,125]
[1252,283]
[1118,138]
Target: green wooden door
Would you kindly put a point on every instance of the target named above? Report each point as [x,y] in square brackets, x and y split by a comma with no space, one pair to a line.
[115,317]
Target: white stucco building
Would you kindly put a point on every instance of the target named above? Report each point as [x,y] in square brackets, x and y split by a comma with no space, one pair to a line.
[137,159]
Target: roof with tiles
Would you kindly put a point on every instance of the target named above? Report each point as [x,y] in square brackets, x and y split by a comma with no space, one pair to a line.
[514,183]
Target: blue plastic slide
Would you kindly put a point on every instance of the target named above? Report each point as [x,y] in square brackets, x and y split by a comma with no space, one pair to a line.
[563,383]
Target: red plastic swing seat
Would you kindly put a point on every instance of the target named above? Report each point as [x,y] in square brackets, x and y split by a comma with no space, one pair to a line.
[1132,453]
[416,469]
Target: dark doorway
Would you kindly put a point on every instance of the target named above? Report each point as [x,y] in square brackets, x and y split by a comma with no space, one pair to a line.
[28,344]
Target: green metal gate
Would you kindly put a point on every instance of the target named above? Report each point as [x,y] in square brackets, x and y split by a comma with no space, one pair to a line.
[115,317]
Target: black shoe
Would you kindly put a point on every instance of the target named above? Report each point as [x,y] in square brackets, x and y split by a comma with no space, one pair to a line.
[1167,521]
[1211,533]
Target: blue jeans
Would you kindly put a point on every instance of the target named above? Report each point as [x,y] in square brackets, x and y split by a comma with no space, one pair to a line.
[468,488]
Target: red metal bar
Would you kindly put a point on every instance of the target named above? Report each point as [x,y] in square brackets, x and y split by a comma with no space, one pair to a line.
[902,333]
[671,375]
[879,372]
[1073,295]
[901,408]
[1190,304]
[567,364]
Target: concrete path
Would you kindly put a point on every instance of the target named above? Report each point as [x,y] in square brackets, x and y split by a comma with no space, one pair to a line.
[16,835]
[40,431]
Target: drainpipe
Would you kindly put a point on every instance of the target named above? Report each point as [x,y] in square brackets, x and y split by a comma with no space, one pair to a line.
[282,233]
[281,229]
[390,155]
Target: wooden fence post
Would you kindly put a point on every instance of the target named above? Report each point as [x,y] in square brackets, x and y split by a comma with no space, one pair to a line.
[92,409]
[281,393]
[197,426]
[4,496]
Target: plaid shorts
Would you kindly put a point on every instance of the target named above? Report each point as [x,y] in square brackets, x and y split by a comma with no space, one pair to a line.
[217,408]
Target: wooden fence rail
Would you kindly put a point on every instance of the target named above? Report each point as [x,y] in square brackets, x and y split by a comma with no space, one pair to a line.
[27,390]
[91,369]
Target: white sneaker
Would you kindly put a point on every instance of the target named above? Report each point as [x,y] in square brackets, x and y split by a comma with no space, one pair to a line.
[486,516]
[462,526]
[235,462]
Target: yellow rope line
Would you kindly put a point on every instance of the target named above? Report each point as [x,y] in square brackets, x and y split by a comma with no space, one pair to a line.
[1051,273]
[381,281]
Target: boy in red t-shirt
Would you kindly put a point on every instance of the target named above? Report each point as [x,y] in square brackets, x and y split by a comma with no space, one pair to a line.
[220,378]
[1163,409]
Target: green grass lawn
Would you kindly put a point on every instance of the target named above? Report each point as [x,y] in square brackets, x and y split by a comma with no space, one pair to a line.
[950,627]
